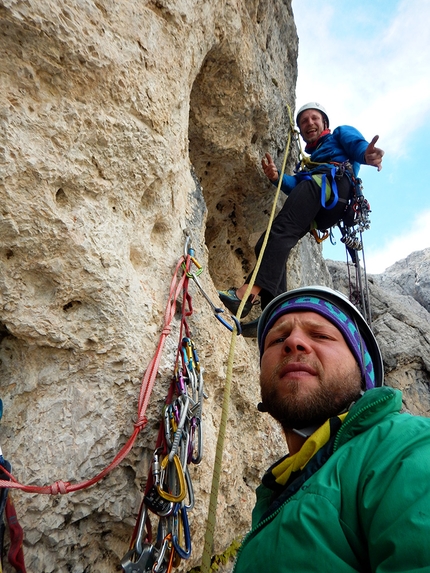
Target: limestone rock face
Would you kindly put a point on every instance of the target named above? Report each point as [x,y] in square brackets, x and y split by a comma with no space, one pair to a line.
[125,127]
[401,322]
[410,277]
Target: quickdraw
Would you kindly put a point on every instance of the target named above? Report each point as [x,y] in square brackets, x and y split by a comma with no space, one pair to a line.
[216,310]
[169,495]
[352,226]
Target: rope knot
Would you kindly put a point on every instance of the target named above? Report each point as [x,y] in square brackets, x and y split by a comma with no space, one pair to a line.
[59,487]
[167,330]
[141,423]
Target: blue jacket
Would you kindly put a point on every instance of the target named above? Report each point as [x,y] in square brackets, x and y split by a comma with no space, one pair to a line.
[362,504]
[345,143]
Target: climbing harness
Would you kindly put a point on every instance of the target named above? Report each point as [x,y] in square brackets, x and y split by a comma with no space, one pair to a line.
[169,495]
[324,174]
[325,177]
[355,220]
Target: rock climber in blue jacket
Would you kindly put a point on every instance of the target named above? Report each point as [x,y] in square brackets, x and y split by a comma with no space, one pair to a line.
[337,157]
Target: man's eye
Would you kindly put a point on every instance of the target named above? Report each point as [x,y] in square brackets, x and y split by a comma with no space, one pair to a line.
[278,340]
[322,336]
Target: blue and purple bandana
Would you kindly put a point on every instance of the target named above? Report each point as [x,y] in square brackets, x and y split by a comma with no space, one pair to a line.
[341,321]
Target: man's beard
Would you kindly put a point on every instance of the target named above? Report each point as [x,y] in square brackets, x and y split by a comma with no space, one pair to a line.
[295,409]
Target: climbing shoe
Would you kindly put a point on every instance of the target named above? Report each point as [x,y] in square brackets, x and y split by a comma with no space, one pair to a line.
[232,302]
[249,329]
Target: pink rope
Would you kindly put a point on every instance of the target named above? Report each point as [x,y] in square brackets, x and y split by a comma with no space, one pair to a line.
[147,384]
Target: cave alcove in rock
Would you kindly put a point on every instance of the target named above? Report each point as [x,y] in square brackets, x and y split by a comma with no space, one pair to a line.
[227,124]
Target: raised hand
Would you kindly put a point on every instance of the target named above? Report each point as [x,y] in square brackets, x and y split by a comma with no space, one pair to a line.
[373,155]
[269,167]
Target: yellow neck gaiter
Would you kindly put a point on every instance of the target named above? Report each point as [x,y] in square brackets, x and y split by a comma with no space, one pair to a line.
[298,461]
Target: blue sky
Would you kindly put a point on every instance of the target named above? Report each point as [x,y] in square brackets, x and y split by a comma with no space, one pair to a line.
[368,64]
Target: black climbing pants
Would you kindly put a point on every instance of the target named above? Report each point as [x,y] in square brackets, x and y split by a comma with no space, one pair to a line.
[302,207]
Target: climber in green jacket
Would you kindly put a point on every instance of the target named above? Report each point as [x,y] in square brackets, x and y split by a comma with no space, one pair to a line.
[353,493]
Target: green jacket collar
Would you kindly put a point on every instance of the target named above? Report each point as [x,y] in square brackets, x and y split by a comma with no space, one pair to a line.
[370,409]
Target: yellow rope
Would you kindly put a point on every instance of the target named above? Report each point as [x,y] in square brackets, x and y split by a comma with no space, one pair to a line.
[211,520]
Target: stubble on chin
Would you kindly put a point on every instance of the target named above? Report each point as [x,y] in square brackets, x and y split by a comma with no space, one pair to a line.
[294,407]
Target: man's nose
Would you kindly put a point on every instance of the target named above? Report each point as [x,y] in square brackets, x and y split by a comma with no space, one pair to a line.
[296,341]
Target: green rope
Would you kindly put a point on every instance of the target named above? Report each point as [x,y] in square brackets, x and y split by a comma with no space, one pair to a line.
[213,501]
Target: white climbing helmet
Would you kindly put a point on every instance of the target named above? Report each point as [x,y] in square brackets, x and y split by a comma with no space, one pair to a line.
[312,296]
[313,105]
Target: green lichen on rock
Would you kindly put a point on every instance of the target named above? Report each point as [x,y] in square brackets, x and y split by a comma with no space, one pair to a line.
[219,560]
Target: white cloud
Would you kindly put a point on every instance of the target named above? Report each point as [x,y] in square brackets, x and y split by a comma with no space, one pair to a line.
[368,63]
[375,76]
[415,239]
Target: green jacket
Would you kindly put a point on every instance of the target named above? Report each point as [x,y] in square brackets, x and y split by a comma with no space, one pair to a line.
[362,504]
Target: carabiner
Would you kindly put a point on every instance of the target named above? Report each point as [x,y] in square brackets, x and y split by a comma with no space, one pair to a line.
[183,450]
[156,466]
[190,490]
[192,379]
[180,382]
[167,428]
[198,458]
[195,357]
[216,310]
[178,431]
[182,488]
[225,323]
[162,554]
[187,348]
[184,553]
[143,516]
[186,246]
[167,544]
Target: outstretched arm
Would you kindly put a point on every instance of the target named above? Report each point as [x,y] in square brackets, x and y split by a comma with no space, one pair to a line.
[373,155]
